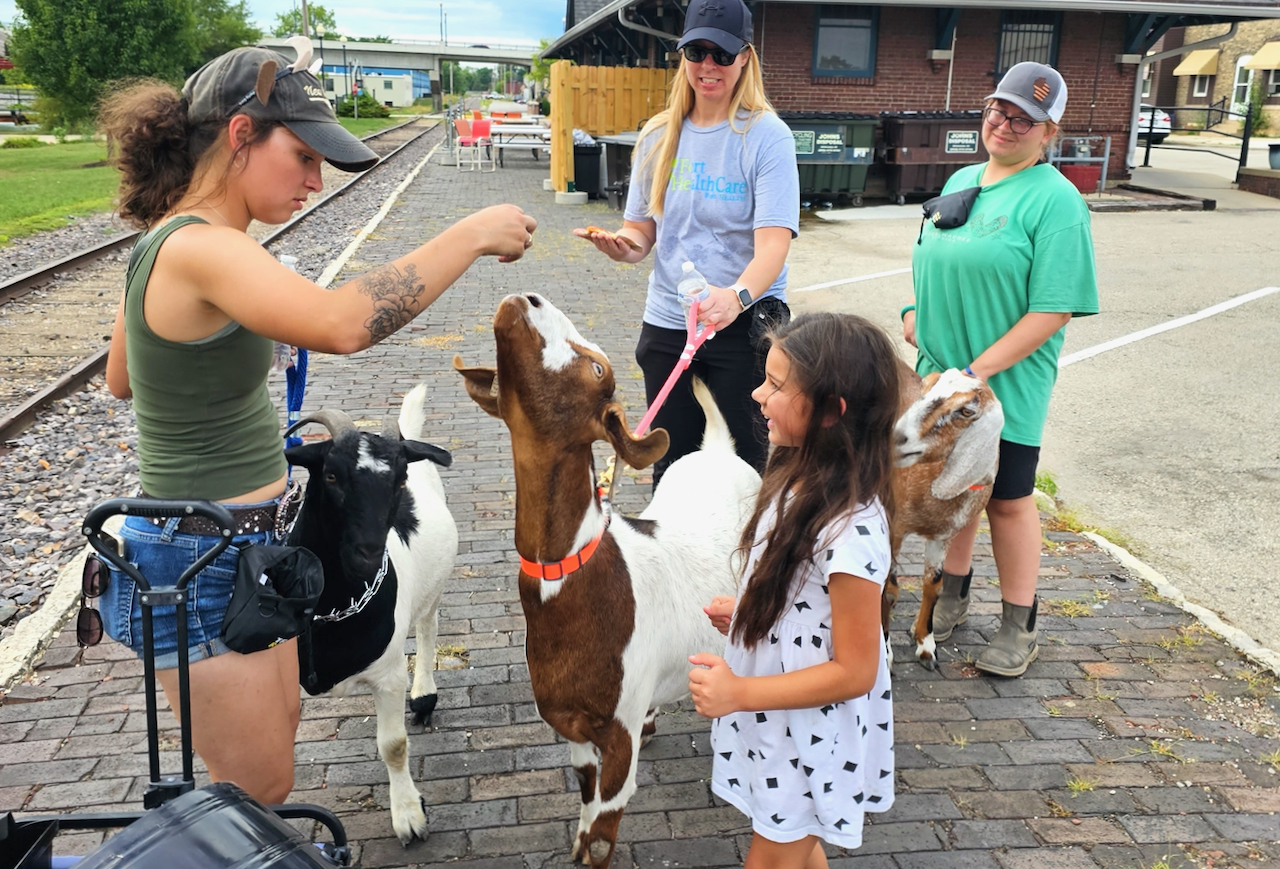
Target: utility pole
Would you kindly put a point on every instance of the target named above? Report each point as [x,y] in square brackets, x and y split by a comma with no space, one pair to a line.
[306,28]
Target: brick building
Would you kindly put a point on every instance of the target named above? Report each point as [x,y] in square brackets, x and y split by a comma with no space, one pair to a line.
[913,55]
[1230,70]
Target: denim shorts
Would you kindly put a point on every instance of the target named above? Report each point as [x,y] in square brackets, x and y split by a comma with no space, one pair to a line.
[161,555]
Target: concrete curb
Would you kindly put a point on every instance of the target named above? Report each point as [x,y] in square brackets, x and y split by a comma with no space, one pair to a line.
[24,647]
[1238,639]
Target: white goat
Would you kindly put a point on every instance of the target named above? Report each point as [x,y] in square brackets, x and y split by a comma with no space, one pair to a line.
[946,454]
[613,610]
[375,514]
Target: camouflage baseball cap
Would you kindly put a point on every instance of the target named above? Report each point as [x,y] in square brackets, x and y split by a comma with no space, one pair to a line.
[268,86]
[1036,88]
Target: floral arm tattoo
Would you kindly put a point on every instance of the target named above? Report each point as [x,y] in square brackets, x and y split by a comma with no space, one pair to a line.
[395,297]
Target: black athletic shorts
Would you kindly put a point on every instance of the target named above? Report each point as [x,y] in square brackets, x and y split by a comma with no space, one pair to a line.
[1017,475]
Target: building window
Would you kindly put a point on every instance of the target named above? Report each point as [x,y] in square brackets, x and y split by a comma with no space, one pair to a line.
[1147,76]
[388,84]
[845,41]
[328,84]
[1027,36]
[1200,86]
[1273,83]
[1244,81]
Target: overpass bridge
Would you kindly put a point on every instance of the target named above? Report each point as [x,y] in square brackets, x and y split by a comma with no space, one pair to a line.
[410,55]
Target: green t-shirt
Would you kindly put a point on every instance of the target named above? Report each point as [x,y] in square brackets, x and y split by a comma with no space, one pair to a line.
[1026,247]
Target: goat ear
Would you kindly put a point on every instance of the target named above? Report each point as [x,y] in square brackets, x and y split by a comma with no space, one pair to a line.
[416,451]
[929,380]
[479,382]
[639,453]
[310,456]
[973,458]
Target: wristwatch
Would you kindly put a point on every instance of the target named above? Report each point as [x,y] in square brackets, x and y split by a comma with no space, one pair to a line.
[744,296]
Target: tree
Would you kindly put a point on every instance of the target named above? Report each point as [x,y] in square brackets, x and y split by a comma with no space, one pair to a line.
[221,26]
[453,72]
[290,23]
[70,49]
[482,78]
[540,70]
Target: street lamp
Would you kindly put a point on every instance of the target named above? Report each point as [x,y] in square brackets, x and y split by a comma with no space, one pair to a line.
[346,70]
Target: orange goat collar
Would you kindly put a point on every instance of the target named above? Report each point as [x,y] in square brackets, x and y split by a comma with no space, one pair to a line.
[557,570]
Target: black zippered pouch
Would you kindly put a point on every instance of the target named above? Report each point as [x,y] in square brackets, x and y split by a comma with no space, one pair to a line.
[949,210]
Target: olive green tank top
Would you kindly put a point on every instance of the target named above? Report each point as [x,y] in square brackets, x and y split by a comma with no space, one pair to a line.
[206,426]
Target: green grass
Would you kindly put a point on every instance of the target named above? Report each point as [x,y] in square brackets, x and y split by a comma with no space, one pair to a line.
[365,126]
[1047,483]
[42,186]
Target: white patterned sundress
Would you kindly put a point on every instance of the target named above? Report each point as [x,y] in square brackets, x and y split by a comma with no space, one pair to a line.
[811,772]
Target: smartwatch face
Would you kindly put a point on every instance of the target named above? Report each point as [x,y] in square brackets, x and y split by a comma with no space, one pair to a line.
[744,296]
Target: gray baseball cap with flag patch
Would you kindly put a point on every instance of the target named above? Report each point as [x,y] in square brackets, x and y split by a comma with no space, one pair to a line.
[266,85]
[1036,88]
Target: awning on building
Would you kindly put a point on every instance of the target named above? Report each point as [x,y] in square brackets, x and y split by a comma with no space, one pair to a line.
[1268,57]
[1202,62]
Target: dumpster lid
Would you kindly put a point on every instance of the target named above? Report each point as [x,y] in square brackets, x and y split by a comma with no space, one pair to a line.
[829,117]
[966,115]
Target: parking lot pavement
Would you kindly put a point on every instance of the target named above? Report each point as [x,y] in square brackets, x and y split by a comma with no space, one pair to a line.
[1137,739]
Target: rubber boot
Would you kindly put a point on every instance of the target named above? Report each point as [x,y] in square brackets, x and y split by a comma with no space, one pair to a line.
[952,605]
[1014,647]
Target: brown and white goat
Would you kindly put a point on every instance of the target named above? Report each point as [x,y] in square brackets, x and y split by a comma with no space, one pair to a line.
[946,453]
[609,642]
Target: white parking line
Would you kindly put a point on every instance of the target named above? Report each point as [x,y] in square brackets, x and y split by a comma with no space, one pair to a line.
[852,280]
[1089,352]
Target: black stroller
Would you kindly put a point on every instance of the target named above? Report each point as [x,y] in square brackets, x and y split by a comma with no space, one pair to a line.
[218,826]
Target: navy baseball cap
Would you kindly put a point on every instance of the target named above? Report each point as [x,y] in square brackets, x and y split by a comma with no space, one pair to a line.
[727,23]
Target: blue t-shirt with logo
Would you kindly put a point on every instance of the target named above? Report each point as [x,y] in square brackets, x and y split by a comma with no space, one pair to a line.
[725,184]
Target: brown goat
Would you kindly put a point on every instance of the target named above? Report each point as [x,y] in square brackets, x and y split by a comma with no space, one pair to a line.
[946,453]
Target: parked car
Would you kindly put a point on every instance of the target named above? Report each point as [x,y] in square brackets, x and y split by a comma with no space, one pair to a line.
[1160,128]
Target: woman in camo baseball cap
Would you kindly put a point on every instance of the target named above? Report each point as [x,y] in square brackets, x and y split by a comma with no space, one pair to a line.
[203,305]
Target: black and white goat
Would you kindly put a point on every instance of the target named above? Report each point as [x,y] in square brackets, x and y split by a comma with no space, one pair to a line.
[375,514]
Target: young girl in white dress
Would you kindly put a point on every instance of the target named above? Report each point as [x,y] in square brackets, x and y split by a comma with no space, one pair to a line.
[803,730]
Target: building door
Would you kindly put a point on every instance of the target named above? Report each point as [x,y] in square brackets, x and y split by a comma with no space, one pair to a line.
[1243,84]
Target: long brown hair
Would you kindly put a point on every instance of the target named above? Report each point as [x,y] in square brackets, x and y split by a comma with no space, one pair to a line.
[748,97]
[836,467]
[158,150]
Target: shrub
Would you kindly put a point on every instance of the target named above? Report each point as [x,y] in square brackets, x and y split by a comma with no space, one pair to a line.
[59,133]
[369,107]
[544,106]
[15,142]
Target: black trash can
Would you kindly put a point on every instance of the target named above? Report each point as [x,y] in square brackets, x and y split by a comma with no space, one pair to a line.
[586,169]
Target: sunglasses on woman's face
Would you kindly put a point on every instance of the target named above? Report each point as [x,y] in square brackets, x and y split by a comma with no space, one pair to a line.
[698,53]
[93,582]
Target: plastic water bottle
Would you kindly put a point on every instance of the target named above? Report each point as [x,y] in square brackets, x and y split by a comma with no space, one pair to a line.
[693,287]
[282,358]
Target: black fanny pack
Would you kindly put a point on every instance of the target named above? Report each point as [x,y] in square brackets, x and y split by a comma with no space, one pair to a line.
[949,210]
[276,592]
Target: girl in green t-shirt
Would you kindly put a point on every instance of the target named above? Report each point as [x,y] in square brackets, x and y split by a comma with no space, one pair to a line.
[993,297]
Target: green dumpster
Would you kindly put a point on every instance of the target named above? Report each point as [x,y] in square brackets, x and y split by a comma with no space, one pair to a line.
[833,151]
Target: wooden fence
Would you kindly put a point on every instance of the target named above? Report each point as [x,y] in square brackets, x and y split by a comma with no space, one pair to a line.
[601,101]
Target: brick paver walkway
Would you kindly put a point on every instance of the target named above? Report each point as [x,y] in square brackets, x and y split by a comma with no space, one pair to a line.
[1121,748]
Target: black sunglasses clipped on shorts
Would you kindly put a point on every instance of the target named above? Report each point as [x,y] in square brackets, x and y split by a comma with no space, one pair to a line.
[93,582]
[698,53]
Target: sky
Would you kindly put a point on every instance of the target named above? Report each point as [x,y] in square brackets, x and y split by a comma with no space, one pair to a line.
[514,22]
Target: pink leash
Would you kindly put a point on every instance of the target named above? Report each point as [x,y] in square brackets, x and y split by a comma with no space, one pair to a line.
[693,341]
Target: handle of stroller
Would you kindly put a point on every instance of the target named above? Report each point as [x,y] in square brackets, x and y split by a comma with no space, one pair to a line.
[156,509]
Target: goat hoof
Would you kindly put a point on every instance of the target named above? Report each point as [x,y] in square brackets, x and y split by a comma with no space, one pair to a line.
[422,708]
[414,826]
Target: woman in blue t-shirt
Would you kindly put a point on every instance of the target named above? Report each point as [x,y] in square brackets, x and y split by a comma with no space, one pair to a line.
[993,297]
[715,183]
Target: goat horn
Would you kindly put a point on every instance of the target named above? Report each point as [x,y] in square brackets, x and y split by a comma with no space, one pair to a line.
[337,422]
[391,429]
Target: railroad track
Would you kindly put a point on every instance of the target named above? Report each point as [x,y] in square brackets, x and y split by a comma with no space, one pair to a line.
[34,307]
